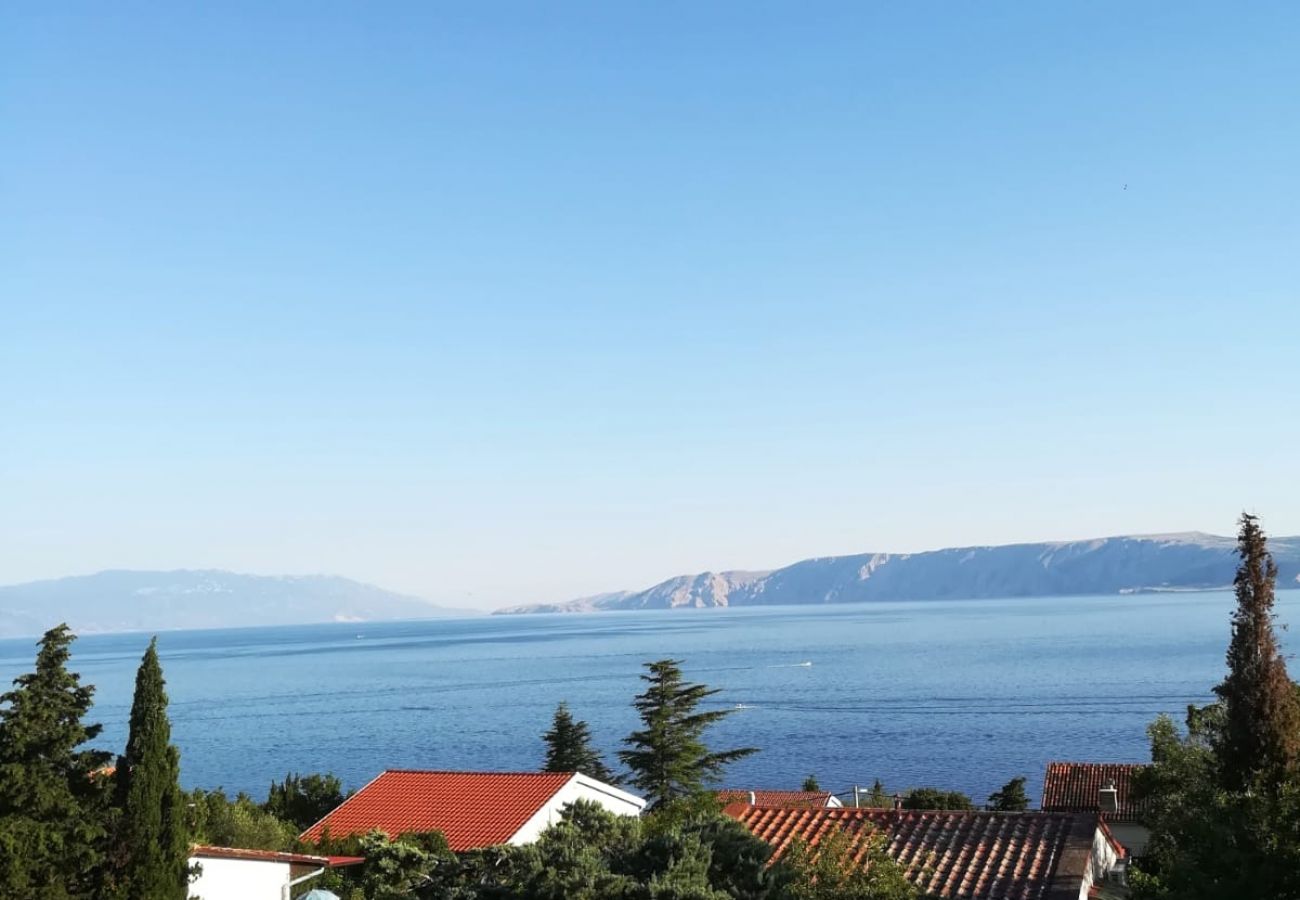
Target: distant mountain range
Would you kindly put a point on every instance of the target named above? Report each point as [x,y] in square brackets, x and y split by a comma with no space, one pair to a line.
[1131,564]
[161,601]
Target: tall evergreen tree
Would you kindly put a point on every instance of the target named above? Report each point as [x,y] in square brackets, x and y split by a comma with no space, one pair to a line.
[1261,733]
[568,748]
[668,757]
[152,846]
[52,802]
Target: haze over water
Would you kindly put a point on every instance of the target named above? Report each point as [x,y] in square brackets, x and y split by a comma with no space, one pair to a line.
[962,694]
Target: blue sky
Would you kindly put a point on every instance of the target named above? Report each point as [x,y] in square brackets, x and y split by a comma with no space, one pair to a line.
[502,302]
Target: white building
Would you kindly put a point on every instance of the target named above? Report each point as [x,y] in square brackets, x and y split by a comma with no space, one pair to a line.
[227,873]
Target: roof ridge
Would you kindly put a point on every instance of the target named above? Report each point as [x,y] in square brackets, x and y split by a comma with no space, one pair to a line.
[529,772]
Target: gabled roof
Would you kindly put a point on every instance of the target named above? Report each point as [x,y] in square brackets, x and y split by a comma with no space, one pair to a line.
[471,809]
[777,798]
[204,851]
[952,855]
[1076,787]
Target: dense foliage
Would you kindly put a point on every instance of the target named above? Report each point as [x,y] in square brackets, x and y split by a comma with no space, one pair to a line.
[682,851]
[71,826]
[934,798]
[239,821]
[840,869]
[569,749]
[303,800]
[668,758]
[54,807]
[1224,792]
[1011,797]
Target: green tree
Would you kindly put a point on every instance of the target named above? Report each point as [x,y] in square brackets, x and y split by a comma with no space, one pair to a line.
[568,748]
[810,784]
[215,818]
[394,869]
[933,798]
[1223,796]
[681,852]
[151,846]
[844,867]
[53,806]
[1259,745]
[303,800]
[1205,841]
[668,758]
[1011,797]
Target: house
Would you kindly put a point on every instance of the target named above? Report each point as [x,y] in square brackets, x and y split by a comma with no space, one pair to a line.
[962,855]
[471,809]
[1105,788]
[780,798]
[227,873]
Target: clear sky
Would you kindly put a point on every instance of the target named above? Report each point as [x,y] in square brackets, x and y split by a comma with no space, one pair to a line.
[511,302]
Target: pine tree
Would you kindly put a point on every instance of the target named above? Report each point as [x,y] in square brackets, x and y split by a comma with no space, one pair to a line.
[810,784]
[568,748]
[1011,797]
[52,801]
[1261,734]
[668,758]
[152,846]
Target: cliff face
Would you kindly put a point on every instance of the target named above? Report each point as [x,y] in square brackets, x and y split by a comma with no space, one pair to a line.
[1103,566]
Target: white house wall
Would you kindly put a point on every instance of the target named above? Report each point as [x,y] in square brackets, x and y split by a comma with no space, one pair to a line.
[239,879]
[580,787]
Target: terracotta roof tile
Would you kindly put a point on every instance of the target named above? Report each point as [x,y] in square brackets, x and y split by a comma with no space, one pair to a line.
[951,855]
[471,809]
[777,798]
[1076,787]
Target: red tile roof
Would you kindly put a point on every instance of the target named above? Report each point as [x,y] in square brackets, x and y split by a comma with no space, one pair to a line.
[777,798]
[204,851]
[952,855]
[1076,787]
[471,809]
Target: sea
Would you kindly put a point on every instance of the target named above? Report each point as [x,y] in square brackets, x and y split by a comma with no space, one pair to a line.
[961,695]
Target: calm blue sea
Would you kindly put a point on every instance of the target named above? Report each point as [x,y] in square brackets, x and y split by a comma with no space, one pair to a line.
[957,694]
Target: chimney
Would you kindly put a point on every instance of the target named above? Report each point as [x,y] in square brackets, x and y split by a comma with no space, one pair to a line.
[753,799]
[898,802]
[1108,797]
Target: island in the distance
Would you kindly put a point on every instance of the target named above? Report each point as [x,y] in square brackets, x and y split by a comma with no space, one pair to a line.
[1128,564]
[122,600]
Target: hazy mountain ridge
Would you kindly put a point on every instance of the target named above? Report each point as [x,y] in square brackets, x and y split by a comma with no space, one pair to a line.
[1134,563]
[123,600]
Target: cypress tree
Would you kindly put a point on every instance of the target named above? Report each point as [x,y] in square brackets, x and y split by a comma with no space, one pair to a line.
[153,840]
[568,748]
[668,758]
[52,797]
[1261,731]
